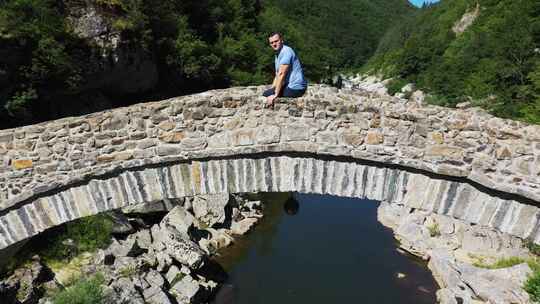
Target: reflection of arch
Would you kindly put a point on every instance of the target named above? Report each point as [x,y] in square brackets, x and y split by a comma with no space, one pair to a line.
[267,173]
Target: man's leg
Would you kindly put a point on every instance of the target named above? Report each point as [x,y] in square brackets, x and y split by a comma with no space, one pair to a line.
[287,92]
[269,92]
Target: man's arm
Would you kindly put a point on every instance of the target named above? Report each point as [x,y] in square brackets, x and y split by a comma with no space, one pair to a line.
[280,78]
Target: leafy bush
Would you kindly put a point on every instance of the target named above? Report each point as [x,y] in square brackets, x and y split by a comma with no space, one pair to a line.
[82,291]
[395,85]
[86,234]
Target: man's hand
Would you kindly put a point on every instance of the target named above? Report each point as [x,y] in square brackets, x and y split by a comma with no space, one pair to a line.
[270,100]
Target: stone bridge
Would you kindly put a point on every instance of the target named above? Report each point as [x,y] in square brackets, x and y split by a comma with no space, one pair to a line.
[459,162]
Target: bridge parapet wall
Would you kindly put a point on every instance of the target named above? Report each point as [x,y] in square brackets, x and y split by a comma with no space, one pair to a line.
[499,154]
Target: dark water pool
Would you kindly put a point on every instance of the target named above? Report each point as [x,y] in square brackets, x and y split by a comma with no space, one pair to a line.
[333,249]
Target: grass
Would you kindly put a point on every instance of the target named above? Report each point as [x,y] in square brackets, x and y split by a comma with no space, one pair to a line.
[59,245]
[82,291]
[434,230]
[500,263]
[128,271]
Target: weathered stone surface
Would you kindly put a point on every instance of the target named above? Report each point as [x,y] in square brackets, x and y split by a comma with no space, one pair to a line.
[211,209]
[451,247]
[296,132]
[185,290]
[268,134]
[368,126]
[21,164]
[243,137]
[374,138]
[172,137]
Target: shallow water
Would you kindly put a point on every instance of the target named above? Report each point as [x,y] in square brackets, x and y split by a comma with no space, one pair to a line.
[331,249]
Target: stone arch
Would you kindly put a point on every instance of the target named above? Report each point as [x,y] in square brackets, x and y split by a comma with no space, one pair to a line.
[305,173]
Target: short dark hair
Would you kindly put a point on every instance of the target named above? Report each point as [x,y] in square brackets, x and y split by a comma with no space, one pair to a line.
[275,33]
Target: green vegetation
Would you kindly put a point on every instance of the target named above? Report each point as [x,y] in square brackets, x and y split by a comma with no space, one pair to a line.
[86,234]
[495,62]
[434,230]
[501,263]
[47,70]
[128,271]
[60,245]
[533,248]
[82,291]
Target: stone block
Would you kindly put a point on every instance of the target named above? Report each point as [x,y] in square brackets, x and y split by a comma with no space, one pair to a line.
[374,138]
[296,132]
[193,144]
[21,164]
[327,138]
[268,134]
[220,140]
[172,137]
[243,137]
[168,150]
[446,152]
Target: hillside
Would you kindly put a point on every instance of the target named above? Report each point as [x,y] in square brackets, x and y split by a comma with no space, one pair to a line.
[484,51]
[70,57]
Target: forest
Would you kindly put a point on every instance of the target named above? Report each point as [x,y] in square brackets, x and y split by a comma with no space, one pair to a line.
[494,63]
[70,57]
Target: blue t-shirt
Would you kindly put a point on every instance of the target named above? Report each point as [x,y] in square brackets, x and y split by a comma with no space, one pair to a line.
[295,76]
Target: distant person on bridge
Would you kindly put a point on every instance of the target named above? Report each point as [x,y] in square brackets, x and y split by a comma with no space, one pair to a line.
[289,80]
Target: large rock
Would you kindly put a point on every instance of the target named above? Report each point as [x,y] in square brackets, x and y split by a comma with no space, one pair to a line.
[25,284]
[185,290]
[161,206]
[121,223]
[178,246]
[211,209]
[178,219]
[123,291]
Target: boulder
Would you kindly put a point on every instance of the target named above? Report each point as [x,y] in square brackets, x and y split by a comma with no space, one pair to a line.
[178,219]
[123,291]
[185,290]
[178,246]
[121,223]
[155,295]
[211,209]
[25,284]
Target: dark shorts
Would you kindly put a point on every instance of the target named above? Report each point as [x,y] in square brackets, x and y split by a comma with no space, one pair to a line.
[286,92]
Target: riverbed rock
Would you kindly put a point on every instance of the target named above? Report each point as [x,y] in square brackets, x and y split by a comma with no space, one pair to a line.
[451,246]
[211,210]
[25,284]
[123,291]
[185,290]
[178,246]
[243,226]
[178,219]
[155,295]
[121,223]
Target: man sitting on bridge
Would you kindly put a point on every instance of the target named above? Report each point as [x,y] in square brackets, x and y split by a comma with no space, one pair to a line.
[289,80]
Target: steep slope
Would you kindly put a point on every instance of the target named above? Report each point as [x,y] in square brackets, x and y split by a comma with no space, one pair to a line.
[481,50]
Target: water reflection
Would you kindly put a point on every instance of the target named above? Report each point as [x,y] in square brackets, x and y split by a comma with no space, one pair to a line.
[291,206]
[333,250]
